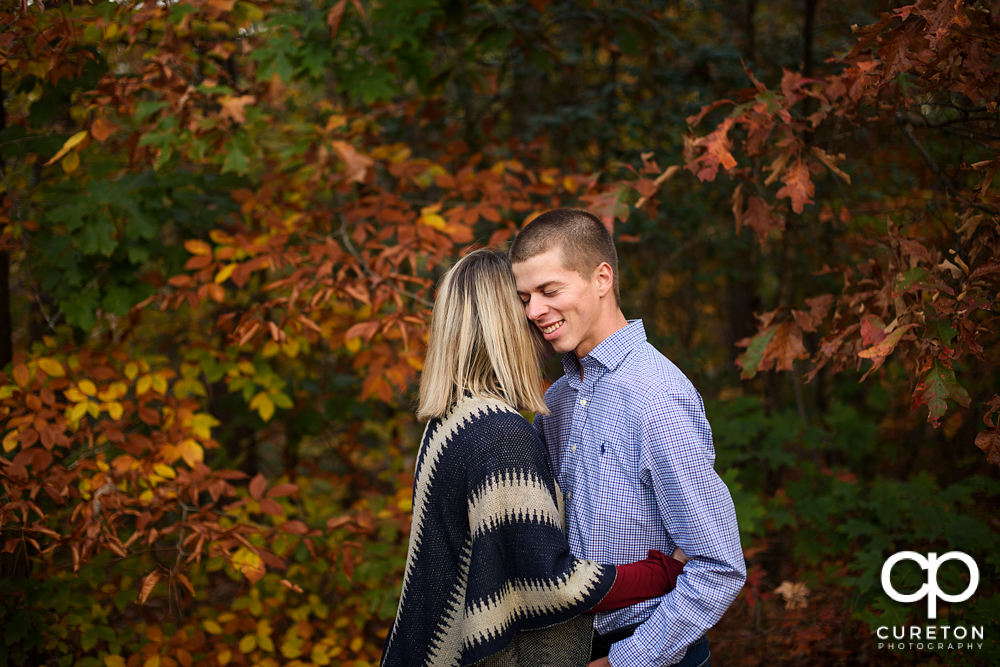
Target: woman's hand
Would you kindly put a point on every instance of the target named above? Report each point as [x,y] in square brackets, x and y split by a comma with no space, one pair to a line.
[680,555]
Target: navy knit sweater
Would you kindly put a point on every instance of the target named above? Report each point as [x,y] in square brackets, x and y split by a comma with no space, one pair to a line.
[488,555]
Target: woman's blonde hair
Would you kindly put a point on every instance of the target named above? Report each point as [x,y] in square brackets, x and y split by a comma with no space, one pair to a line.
[480,341]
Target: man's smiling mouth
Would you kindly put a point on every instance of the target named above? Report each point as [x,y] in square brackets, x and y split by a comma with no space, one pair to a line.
[552,327]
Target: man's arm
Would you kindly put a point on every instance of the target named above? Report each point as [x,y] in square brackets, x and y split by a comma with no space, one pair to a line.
[676,458]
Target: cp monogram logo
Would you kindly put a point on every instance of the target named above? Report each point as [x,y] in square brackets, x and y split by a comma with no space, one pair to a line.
[931,588]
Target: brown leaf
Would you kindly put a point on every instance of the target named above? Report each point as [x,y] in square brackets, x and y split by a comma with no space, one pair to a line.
[798,186]
[268,506]
[101,129]
[334,16]
[148,583]
[185,582]
[356,165]
[716,153]
[234,108]
[759,218]
[989,442]
[257,486]
[294,527]
[289,585]
[831,162]
[362,330]
[872,330]
[279,490]
[738,208]
[785,347]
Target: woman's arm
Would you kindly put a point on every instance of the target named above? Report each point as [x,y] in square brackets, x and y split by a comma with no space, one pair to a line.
[640,581]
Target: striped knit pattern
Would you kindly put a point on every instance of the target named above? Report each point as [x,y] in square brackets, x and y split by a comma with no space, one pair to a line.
[488,555]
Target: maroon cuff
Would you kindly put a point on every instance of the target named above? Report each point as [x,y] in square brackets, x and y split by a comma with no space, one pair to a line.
[641,581]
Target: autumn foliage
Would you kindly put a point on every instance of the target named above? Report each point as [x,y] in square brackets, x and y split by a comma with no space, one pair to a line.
[225,220]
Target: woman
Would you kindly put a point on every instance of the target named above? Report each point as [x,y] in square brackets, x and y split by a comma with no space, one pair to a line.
[488,567]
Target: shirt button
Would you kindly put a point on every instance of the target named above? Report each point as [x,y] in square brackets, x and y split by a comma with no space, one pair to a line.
[574,448]
[569,496]
[583,402]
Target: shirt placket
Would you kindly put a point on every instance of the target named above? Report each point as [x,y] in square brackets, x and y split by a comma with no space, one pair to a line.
[579,452]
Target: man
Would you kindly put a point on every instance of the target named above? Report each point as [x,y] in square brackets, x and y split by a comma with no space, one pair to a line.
[630,446]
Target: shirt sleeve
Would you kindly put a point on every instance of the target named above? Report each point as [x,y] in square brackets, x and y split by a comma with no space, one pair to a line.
[676,458]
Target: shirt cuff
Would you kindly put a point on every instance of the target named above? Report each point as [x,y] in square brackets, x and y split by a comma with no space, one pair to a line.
[627,653]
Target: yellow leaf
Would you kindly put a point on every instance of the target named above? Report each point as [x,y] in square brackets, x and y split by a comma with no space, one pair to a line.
[70,144]
[94,409]
[75,395]
[433,220]
[114,661]
[202,424]
[353,345]
[269,350]
[248,644]
[570,184]
[191,451]
[144,384]
[87,387]
[152,661]
[77,411]
[224,656]
[291,347]
[265,642]
[224,273]
[406,504]
[10,441]
[71,162]
[114,409]
[163,470]
[249,564]
[196,247]
[131,370]
[263,404]
[356,644]
[51,367]
[212,628]
[159,384]
[113,392]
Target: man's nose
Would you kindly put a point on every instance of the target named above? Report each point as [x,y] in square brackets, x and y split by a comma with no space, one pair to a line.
[533,309]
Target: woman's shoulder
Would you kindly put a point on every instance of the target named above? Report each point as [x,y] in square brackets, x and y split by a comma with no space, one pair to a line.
[491,419]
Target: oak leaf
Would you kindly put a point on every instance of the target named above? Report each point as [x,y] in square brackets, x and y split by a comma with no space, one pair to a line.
[148,583]
[936,386]
[356,165]
[798,186]
[234,108]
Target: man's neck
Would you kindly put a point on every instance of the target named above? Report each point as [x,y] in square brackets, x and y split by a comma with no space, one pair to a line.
[614,323]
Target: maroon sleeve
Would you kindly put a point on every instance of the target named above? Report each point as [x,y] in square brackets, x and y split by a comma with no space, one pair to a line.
[639,581]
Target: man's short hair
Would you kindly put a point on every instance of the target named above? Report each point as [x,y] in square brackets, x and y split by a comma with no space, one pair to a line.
[584,240]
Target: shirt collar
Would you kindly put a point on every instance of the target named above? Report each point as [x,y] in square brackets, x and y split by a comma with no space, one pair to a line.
[608,354]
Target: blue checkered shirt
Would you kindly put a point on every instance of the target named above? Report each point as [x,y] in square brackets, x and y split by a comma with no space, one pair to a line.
[632,450]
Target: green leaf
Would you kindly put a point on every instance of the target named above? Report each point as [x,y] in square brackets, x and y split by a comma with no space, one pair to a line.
[936,386]
[750,360]
[79,310]
[942,330]
[143,109]
[236,160]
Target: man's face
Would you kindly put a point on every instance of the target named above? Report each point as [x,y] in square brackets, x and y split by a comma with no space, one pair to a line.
[564,305]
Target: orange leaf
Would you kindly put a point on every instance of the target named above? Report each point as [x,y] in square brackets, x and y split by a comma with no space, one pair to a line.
[798,186]
[235,107]
[22,376]
[148,583]
[785,347]
[356,165]
[102,129]
[334,16]
[279,490]
[185,582]
[257,486]
[287,584]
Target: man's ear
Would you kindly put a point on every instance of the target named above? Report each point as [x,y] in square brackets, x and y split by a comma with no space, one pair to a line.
[605,278]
